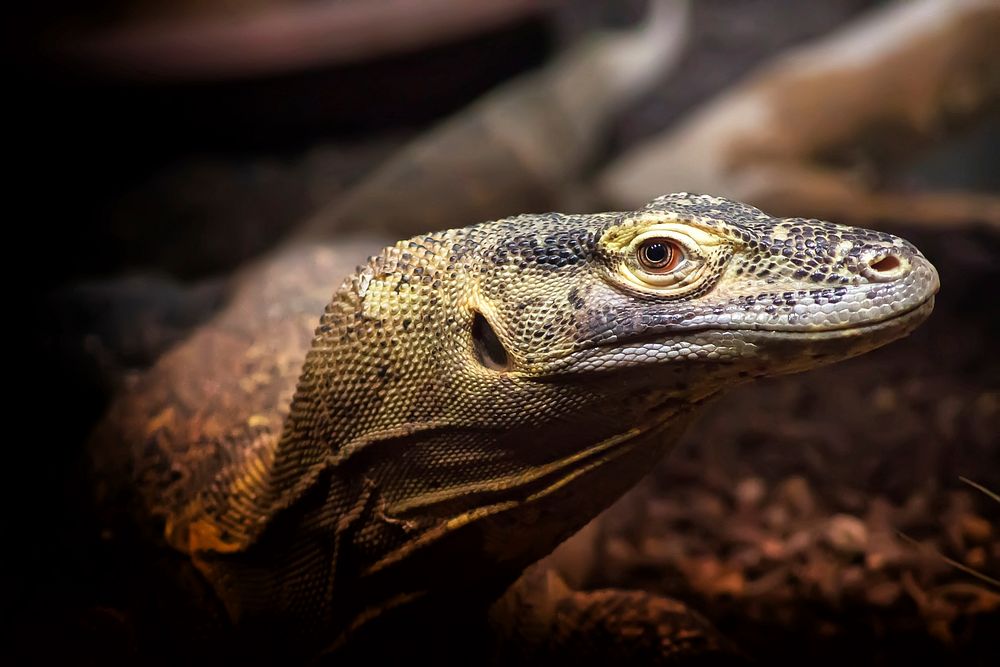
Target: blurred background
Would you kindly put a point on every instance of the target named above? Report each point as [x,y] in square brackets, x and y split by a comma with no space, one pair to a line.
[160,146]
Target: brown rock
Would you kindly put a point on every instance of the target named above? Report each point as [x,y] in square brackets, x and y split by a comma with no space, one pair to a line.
[776,517]
[713,578]
[976,557]
[883,550]
[975,528]
[773,549]
[883,594]
[852,578]
[708,506]
[796,493]
[750,492]
[662,549]
[799,542]
[847,534]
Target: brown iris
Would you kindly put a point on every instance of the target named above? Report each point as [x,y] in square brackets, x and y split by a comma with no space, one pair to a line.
[660,255]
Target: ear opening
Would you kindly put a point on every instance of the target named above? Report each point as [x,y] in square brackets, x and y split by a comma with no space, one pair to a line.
[489,350]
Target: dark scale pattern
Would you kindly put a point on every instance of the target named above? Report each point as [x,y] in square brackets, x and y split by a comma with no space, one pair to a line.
[408,468]
[556,250]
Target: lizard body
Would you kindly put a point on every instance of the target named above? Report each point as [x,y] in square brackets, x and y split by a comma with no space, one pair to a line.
[472,397]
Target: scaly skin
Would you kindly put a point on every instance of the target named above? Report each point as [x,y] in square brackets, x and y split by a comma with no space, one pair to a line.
[472,397]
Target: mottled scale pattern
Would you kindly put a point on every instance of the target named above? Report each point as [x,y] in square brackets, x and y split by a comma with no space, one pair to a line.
[472,397]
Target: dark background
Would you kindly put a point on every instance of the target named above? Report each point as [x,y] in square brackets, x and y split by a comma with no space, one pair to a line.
[183,182]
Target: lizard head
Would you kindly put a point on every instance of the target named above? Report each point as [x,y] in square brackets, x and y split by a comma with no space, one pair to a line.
[711,289]
[595,325]
[490,389]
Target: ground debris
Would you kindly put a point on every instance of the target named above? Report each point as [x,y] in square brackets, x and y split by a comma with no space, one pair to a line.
[841,531]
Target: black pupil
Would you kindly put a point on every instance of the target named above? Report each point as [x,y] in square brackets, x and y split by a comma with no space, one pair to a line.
[656,253]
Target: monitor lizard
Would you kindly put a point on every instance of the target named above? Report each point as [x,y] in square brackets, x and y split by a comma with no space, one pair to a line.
[469,399]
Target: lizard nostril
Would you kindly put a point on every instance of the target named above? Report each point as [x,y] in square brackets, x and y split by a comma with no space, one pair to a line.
[885,266]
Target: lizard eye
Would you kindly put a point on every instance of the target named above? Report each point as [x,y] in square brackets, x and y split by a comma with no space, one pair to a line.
[660,255]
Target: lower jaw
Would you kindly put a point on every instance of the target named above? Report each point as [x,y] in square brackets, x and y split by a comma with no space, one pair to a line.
[902,324]
[832,344]
[785,352]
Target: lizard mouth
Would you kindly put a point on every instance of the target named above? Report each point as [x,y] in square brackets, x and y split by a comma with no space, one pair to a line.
[915,313]
[714,343]
[904,319]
